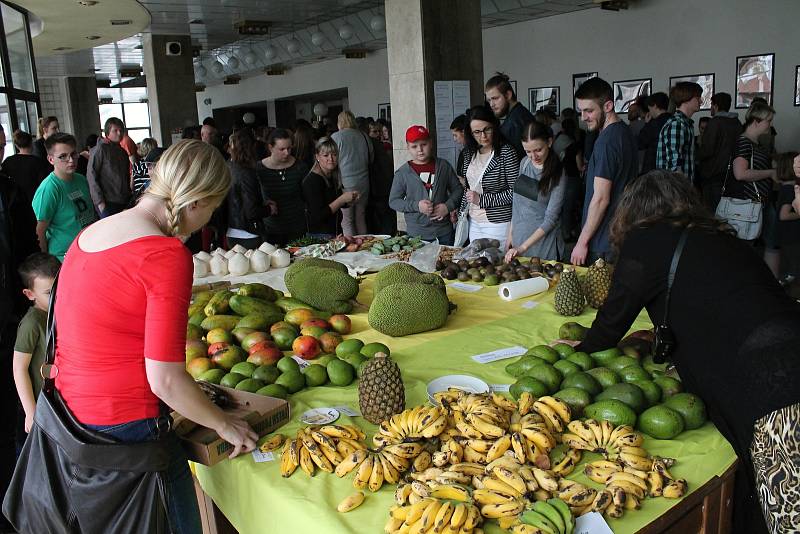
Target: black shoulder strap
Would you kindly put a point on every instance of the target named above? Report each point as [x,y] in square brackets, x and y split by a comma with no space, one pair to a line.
[676,257]
[50,351]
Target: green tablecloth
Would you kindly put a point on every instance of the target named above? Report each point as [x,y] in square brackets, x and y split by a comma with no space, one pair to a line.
[256,499]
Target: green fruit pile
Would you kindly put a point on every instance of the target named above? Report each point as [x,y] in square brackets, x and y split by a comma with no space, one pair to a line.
[241,339]
[497,272]
[398,243]
[621,385]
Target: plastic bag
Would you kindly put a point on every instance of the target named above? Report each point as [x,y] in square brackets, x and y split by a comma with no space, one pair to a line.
[484,247]
[425,258]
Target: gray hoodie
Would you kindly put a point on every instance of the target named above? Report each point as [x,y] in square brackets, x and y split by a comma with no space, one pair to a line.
[408,190]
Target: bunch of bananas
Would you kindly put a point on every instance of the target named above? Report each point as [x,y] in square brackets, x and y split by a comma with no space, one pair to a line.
[421,422]
[601,437]
[630,479]
[374,467]
[432,514]
[550,516]
[323,447]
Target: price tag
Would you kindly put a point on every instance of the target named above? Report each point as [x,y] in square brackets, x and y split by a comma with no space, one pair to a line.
[529,304]
[466,288]
[346,410]
[300,361]
[591,523]
[260,457]
[499,388]
[500,354]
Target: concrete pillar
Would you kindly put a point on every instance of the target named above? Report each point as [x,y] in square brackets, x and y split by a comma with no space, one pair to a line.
[429,40]
[170,86]
[83,109]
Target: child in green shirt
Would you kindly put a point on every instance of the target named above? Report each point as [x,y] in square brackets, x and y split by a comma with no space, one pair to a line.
[37,272]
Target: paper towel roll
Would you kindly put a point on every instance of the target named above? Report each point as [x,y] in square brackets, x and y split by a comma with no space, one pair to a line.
[523,288]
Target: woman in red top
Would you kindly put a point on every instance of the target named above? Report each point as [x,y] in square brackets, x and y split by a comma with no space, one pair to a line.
[121,306]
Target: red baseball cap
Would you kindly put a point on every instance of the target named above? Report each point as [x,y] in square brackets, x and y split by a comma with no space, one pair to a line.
[416,133]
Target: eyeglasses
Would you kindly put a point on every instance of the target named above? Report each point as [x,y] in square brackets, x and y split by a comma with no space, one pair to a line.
[67,157]
[486,131]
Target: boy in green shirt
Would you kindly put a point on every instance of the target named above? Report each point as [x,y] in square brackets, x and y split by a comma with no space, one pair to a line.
[37,272]
[62,203]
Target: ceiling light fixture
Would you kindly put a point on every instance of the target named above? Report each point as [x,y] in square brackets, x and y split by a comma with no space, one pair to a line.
[346,32]
[120,22]
[202,72]
[377,23]
[293,46]
[270,52]
[233,62]
[217,67]
[317,38]
[250,57]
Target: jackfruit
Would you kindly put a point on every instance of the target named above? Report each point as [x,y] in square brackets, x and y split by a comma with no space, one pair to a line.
[323,288]
[402,273]
[401,309]
[299,265]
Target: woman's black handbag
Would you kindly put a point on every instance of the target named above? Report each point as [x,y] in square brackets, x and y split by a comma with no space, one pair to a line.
[70,479]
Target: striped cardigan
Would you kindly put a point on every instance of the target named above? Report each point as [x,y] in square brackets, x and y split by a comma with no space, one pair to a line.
[498,183]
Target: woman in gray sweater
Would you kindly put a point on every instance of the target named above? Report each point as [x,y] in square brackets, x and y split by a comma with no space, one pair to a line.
[535,228]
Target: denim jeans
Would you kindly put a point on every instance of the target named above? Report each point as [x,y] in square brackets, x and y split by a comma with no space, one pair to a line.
[184,515]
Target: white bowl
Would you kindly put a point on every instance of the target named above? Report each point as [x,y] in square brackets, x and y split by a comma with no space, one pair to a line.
[466,383]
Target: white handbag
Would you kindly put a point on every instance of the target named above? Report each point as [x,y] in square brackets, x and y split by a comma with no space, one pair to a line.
[745,215]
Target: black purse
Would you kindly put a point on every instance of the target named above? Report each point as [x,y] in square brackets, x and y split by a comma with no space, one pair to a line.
[70,479]
[664,341]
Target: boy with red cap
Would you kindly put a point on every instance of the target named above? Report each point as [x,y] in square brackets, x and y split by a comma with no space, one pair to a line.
[426,190]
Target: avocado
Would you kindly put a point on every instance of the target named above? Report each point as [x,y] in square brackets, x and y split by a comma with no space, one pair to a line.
[531,385]
[267,373]
[583,381]
[605,376]
[620,362]
[661,422]
[583,360]
[690,406]
[567,367]
[603,356]
[572,331]
[521,366]
[545,352]
[651,391]
[630,394]
[633,373]
[611,410]
[563,349]
[669,386]
[577,398]
[547,375]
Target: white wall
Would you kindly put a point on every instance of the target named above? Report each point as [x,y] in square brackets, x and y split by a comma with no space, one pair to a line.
[655,39]
[367,82]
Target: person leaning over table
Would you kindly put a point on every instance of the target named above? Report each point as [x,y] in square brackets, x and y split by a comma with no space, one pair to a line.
[122,375]
[322,191]
[737,334]
[535,228]
[490,167]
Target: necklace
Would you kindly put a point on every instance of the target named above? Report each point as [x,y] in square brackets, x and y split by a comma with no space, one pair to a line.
[155,219]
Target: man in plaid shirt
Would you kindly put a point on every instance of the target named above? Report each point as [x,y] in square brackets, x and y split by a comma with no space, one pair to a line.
[675,150]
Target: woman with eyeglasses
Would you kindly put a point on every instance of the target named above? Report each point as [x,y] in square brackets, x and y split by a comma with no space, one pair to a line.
[490,166]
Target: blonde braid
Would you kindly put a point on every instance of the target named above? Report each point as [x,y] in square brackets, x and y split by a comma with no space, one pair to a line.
[173,217]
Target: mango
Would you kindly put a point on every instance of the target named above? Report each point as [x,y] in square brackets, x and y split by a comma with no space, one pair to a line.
[219,303]
[258,321]
[243,306]
[226,322]
[259,291]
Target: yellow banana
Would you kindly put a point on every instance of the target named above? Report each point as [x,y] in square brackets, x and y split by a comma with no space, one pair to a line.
[494,484]
[450,477]
[316,454]
[634,439]
[363,473]
[614,510]
[675,489]
[399,463]
[402,493]
[633,502]
[335,431]
[541,495]
[393,525]
[344,449]
[607,428]
[547,481]
[443,516]
[524,528]
[479,445]
[495,511]
[552,419]
[468,468]
[565,466]
[606,464]
[485,427]
[376,477]
[601,501]
[351,502]
[429,515]
[421,462]
[355,432]
[435,428]
[504,402]
[294,450]
[506,461]
[306,463]
[500,446]
[487,496]
[272,443]
[456,451]
[577,442]
[632,479]
[660,466]
[416,510]
[530,480]
[453,492]
[618,496]
[580,498]
[560,407]
[405,450]
[390,474]
[631,489]
[473,456]
[637,462]
[459,515]
[518,443]
[473,519]
[601,475]
[440,458]
[288,464]
[511,478]
[542,439]
[655,484]
[525,403]
[597,431]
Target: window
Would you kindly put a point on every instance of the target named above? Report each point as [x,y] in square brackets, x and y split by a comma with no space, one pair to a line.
[19,55]
[126,104]
[5,122]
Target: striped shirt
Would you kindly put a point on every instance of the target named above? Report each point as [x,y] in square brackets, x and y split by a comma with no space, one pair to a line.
[497,182]
[675,150]
[757,159]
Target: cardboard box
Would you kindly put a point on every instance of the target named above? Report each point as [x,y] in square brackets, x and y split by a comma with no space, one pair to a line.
[203,445]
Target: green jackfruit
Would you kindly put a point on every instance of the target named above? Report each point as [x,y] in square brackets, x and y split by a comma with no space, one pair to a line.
[299,265]
[403,309]
[403,273]
[323,288]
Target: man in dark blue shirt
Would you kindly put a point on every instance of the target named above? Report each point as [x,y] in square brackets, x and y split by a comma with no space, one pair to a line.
[512,114]
[612,165]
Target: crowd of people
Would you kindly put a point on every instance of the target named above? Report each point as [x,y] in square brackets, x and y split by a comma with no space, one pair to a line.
[106,214]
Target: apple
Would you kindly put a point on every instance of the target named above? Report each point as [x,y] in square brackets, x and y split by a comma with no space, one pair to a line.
[267,343]
[313,331]
[265,356]
[254,338]
[196,349]
[321,323]
[341,324]
[329,341]
[219,335]
[216,347]
[306,347]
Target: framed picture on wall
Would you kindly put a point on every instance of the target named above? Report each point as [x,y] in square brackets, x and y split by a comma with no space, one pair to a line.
[627,91]
[544,98]
[797,85]
[577,81]
[754,78]
[514,87]
[385,112]
[706,81]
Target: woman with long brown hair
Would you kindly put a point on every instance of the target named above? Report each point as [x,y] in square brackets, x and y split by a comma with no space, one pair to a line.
[535,228]
[322,191]
[737,333]
[246,207]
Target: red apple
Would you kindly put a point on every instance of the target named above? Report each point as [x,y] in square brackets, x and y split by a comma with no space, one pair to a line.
[322,323]
[306,347]
[254,338]
[265,356]
[216,347]
[341,324]
[329,341]
[267,343]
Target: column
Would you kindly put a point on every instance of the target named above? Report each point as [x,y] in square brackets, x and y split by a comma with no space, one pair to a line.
[170,85]
[429,40]
[83,109]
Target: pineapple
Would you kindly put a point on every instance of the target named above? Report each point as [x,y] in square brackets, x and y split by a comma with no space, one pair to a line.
[597,282]
[569,299]
[381,393]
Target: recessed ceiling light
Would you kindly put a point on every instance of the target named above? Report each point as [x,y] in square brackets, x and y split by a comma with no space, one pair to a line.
[93,37]
[87,3]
